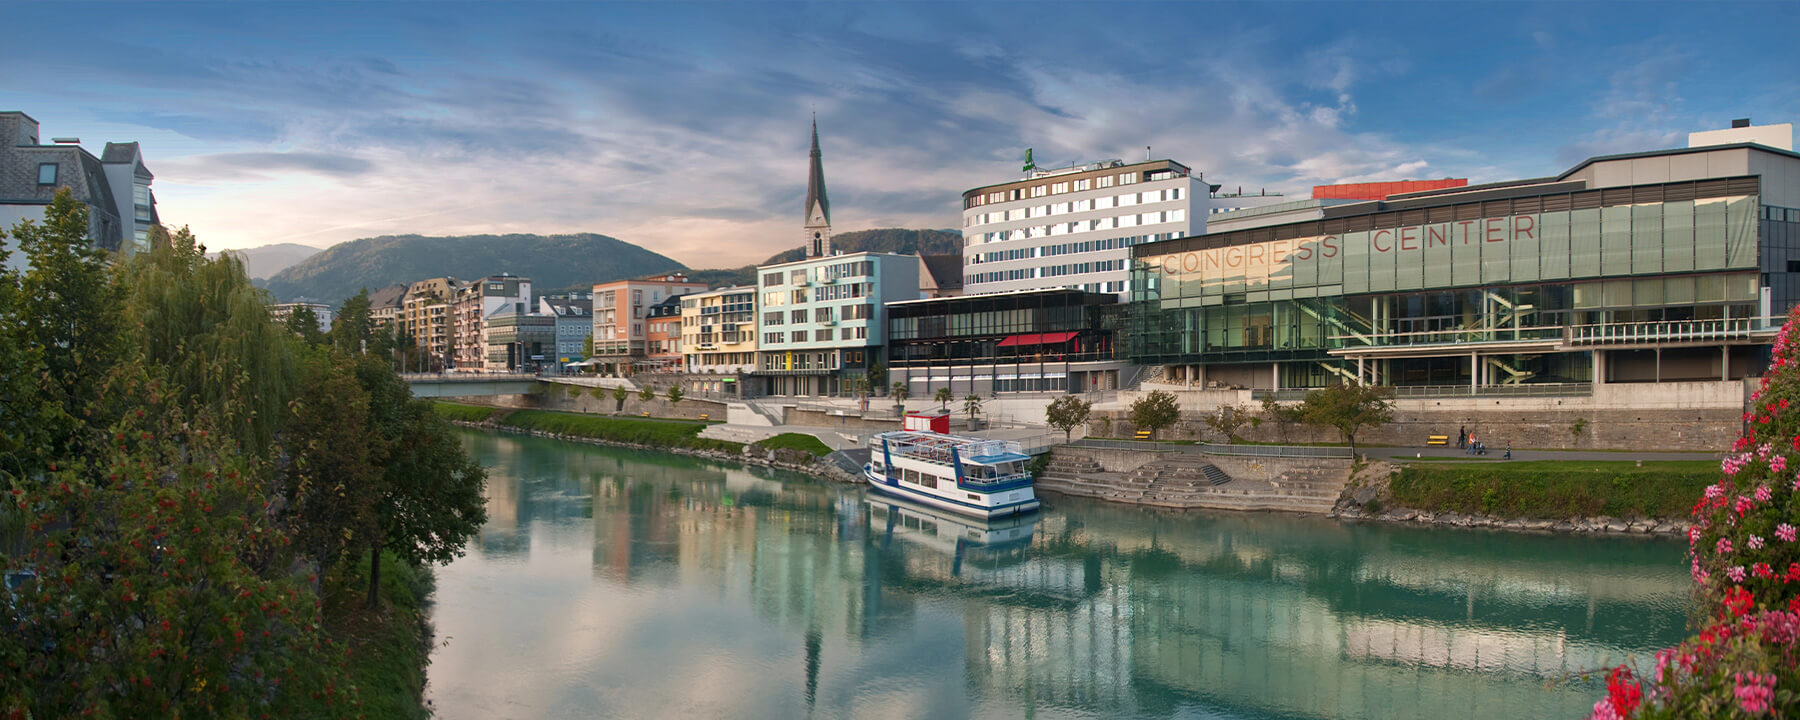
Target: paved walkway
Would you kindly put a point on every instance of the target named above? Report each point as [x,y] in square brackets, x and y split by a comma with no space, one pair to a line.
[1496,453]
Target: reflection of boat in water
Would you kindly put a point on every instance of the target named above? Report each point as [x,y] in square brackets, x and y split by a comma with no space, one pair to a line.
[988,543]
[970,476]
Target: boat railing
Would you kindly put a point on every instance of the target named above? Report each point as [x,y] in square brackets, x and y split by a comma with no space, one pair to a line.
[1000,480]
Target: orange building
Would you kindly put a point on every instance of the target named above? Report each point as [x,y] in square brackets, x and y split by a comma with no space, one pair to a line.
[662,336]
[1381,190]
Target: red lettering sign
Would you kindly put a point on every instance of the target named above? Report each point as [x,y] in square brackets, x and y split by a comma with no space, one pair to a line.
[1279,250]
[1190,262]
[1330,246]
[1256,253]
[1495,226]
[1464,224]
[1375,240]
[1168,268]
[1304,252]
[1525,226]
[1437,235]
[1409,235]
[1234,257]
[1212,259]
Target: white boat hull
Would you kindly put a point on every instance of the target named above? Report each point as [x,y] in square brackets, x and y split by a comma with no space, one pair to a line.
[910,494]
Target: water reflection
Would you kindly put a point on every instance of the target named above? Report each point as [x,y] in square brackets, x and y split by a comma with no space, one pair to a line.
[621,584]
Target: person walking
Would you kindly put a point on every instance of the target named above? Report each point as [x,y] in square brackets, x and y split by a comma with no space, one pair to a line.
[1462,437]
[1509,450]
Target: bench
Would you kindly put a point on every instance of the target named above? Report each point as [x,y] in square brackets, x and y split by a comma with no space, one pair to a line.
[702,416]
[1437,440]
[1143,434]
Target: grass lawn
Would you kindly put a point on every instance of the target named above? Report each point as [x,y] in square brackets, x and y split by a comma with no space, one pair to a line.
[1553,489]
[388,645]
[461,412]
[796,441]
[644,431]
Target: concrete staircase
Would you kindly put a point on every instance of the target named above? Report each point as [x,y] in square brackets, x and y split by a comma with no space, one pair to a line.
[739,433]
[739,413]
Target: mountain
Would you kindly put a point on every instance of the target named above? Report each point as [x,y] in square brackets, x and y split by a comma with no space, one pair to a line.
[889,240]
[263,262]
[553,262]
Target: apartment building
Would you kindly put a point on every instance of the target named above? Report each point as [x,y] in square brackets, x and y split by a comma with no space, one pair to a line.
[621,308]
[822,320]
[322,311]
[662,336]
[574,313]
[474,303]
[115,186]
[425,316]
[718,330]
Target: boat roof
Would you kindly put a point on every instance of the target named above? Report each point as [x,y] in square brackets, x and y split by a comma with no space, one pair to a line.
[980,451]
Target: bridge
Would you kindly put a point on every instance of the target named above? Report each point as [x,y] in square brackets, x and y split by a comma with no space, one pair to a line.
[454,384]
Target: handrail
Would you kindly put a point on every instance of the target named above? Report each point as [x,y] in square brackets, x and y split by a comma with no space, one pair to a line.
[1285,451]
[453,376]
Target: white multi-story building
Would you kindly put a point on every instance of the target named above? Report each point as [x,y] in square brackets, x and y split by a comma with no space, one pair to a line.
[823,319]
[1074,227]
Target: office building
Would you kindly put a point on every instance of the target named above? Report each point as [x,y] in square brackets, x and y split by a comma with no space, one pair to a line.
[516,340]
[1029,341]
[1074,227]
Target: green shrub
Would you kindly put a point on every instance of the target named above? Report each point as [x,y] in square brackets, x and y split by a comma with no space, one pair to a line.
[1554,489]
[795,441]
[462,413]
[665,433]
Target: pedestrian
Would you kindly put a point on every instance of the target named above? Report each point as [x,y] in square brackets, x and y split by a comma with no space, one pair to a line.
[1462,437]
[1509,449]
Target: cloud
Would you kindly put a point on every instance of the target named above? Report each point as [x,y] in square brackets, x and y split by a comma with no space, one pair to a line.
[265,165]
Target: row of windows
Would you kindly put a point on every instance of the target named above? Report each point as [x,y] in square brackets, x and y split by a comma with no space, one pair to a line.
[1069,248]
[857,268]
[800,361]
[1082,268]
[1074,206]
[1105,223]
[860,332]
[1052,188]
[999,276]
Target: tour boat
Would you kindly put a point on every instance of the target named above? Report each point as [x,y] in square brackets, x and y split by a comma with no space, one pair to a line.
[971,476]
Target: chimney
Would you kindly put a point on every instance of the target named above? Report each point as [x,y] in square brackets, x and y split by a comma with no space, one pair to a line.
[1740,123]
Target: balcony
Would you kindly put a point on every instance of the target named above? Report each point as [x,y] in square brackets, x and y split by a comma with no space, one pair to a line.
[1672,331]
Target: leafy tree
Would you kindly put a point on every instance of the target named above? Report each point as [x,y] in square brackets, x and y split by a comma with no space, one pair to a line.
[1349,408]
[69,309]
[304,324]
[862,387]
[331,481]
[675,393]
[1067,412]
[645,394]
[619,394]
[972,406]
[353,327]
[432,494]
[160,583]
[202,320]
[1155,411]
[900,392]
[28,421]
[587,346]
[1284,416]
[1227,420]
[943,398]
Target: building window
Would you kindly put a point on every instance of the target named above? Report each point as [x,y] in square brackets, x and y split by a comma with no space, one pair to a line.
[47,174]
[799,316]
[772,318]
[822,314]
[798,277]
[800,336]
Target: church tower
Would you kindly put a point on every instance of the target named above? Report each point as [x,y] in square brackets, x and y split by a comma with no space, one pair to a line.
[818,208]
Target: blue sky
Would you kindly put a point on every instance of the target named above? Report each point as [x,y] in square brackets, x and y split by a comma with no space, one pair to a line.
[683,127]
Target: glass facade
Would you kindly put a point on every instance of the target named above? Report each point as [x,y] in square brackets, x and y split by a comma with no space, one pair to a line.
[1054,325]
[1460,276]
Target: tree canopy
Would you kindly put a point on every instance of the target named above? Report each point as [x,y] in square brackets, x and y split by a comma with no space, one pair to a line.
[1155,411]
[1349,408]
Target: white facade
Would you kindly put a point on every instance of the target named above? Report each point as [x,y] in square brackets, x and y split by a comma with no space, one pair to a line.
[1780,137]
[1074,227]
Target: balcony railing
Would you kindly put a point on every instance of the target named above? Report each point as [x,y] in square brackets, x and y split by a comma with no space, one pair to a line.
[1669,331]
[1430,391]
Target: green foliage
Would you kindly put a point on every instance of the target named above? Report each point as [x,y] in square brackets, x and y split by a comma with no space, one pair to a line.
[1578,427]
[943,398]
[900,392]
[1553,489]
[1068,412]
[619,394]
[664,433]
[646,393]
[1284,416]
[1155,411]
[587,346]
[675,393]
[554,262]
[353,328]
[462,413]
[304,324]
[795,441]
[330,482]
[1349,409]
[972,406]
[385,644]
[1227,420]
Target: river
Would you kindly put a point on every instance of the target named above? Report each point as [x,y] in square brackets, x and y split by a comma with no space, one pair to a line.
[621,584]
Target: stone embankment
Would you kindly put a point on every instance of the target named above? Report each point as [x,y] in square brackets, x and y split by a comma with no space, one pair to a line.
[781,458]
[1195,480]
[1367,498]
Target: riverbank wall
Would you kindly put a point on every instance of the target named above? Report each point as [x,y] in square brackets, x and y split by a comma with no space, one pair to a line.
[1368,498]
[1702,416]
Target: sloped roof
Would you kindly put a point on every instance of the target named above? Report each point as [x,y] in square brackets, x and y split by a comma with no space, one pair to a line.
[945,270]
[815,180]
[391,296]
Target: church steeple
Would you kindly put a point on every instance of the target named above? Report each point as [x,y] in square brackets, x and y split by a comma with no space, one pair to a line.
[818,207]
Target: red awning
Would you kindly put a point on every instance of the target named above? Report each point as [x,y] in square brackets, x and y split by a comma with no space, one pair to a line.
[1037,339]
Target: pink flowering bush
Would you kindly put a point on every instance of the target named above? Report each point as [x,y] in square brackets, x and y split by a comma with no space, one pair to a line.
[1745,560]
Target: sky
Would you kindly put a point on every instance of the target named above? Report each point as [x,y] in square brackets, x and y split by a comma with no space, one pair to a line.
[684,128]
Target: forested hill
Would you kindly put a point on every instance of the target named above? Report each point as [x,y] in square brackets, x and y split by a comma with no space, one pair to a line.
[889,240]
[553,262]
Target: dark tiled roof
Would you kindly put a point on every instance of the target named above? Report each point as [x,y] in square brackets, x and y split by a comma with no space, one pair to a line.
[390,296]
[946,270]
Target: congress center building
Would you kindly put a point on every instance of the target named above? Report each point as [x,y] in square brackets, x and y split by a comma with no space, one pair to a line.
[1665,266]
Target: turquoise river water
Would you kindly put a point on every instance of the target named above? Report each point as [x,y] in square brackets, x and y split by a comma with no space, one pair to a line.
[620,584]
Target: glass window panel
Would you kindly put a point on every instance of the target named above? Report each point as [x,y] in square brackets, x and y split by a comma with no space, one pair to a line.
[1678,236]
[1330,259]
[1741,288]
[1381,264]
[1709,288]
[1356,262]
[1709,234]
[1615,241]
[1646,239]
[1524,248]
[1647,293]
[1435,258]
[1740,239]
[1303,262]
[1587,295]
[1584,243]
[1678,290]
[1553,249]
[1618,293]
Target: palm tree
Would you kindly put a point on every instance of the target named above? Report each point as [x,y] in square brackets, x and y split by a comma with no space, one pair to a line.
[943,398]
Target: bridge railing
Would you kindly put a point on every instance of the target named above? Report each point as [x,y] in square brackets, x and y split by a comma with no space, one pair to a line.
[467,376]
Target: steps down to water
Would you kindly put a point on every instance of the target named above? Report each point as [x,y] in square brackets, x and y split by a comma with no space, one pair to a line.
[739,433]
[1185,480]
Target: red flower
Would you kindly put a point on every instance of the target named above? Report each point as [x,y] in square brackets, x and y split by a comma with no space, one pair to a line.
[1623,691]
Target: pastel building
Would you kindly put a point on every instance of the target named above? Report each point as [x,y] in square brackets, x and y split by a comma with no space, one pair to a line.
[718,331]
[621,309]
[662,336]
[574,313]
[822,320]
